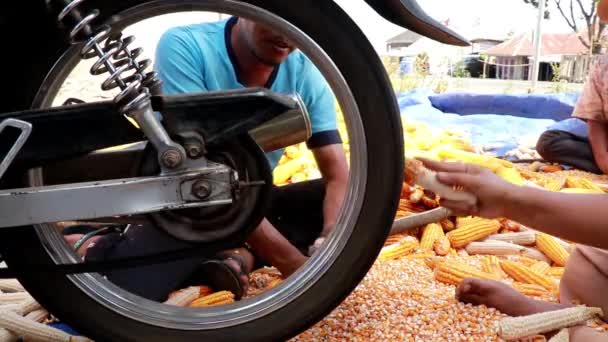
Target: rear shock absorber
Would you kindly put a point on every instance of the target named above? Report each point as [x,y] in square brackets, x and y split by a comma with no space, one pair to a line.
[126,72]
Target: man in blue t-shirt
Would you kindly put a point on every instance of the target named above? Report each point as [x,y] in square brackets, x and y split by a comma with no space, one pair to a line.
[237,53]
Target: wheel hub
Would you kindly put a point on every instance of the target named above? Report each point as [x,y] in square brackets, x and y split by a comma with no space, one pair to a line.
[233,221]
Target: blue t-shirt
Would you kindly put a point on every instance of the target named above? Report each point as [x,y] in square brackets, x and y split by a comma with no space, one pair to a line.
[199,57]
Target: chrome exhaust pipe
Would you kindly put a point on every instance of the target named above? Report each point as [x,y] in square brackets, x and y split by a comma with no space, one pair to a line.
[290,128]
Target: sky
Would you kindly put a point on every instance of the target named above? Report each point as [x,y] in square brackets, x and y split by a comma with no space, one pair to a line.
[496,17]
[469,17]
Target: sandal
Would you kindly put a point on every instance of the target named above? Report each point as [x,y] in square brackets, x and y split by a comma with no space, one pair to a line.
[220,276]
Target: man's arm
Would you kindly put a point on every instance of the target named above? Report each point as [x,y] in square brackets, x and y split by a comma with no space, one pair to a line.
[598,138]
[582,218]
[334,169]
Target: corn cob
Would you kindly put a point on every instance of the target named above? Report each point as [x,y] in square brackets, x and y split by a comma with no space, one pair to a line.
[553,249]
[491,164]
[512,328]
[218,298]
[416,195]
[17,297]
[511,226]
[524,274]
[580,191]
[472,231]
[430,233]
[569,247]
[491,264]
[405,247]
[587,184]
[274,282]
[432,261]
[184,297]
[428,202]
[534,254]
[491,247]
[453,272]
[393,239]
[527,260]
[511,175]
[27,306]
[540,267]
[422,255]
[29,329]
[442,246]
[520,238]
[38,315]
[562,336]
[282,173]
[447,225]
[555,184]
[530,289]
[7,336]
[11,285]
[556,271]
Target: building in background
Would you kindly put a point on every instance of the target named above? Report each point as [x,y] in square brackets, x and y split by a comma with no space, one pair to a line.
[397,45]
[514,57]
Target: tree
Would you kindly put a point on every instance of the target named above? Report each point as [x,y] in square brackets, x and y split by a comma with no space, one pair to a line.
[573,11]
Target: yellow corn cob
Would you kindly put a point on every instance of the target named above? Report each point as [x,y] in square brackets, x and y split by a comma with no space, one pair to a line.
[525,238]
[573,182]
[10,285]
[430,233]
[29,329]
[274,282]
[512,328]
[442,246]
[393,239]
[432,261]
[540,267]
[527,260]
[530,289]
[422,255]
[580,191]
[283,172]
[472,231]
[405,247]
[535,254]
[453,252]
[17,297]
[491,264]
[453,272]
[524,274]
[7,336]
[38,315]
[587,184]
[492,164]
[552,249]
[562,336]
[218,298]
[184,297]
[293,152]
[556,271]
[491,247]
[554,184]
[447,225]
[511,175]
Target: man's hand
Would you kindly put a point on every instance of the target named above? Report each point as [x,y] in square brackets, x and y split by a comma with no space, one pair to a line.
[492,192]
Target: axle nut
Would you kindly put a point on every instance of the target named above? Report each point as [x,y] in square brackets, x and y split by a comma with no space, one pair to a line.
[201,189]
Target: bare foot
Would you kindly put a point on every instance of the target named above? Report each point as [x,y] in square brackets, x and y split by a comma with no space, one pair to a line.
[501,297]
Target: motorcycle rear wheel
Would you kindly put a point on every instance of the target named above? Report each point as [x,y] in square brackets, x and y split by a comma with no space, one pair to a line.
[377,190]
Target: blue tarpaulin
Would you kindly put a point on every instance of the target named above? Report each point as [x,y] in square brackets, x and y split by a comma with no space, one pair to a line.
[499,121]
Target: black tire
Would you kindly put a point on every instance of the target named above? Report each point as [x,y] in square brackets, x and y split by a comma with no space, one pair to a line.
[346,45]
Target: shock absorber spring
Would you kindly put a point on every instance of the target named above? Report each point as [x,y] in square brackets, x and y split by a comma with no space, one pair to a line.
[115,57]
[126,72]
